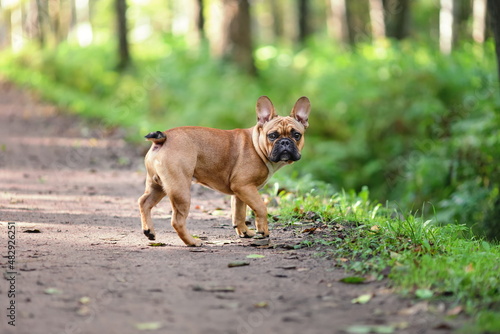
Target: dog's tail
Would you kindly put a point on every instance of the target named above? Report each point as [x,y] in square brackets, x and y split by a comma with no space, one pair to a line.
[157,137]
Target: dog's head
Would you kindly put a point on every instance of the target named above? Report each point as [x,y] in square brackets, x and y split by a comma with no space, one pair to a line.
[281,138]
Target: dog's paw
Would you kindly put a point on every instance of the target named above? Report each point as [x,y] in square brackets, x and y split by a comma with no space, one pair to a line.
[245,233]
[195,243]
[261,235]
[149,234]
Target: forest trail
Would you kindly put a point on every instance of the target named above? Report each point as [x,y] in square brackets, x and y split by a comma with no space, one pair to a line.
[91,269]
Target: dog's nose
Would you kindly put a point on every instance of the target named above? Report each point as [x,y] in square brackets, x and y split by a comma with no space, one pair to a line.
[285,143]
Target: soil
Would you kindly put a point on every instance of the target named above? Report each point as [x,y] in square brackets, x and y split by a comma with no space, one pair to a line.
[90,269]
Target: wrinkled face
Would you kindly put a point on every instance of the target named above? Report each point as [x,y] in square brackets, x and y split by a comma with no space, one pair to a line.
[283,139]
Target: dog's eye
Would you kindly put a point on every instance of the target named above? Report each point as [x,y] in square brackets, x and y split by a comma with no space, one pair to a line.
[273,136]
[297,136]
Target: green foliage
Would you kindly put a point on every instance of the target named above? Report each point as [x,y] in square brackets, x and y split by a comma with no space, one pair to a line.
[424,260]
[411,124]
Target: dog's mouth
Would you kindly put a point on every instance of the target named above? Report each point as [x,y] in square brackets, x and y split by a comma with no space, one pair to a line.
[285,156]
[284,150]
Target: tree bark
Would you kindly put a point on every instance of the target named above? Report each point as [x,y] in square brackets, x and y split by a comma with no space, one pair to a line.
[338,22]
[397,17]
[303,12]
[479,20]
[124,59]
[200,19]
[377,19]
[494,13]
[236,41]
[5,27]
[41,13]
[446,26]
[277,12]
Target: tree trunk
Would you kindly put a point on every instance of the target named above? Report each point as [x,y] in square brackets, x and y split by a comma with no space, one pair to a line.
[124,60]
[277,13]
[446,26]
[494,13]
[397,18]
[5,28]
[41,14]
[200,19]
[338,24]
[479,20]
[303,12]
[236,39]
[377,19]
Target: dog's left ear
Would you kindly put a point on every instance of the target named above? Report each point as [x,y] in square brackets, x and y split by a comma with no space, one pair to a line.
[265,110]
[301,111]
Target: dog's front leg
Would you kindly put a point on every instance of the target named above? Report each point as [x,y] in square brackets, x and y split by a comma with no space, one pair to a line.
[250,195]
[238,210]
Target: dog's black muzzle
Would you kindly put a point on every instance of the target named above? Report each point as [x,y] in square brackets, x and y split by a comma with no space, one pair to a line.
[284,150]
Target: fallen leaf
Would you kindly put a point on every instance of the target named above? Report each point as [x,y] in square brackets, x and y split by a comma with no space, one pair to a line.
[214,288]
[32,231]
[261,304]
[157,244]
[197,250]
[309,230]
[415,309]
[363,299]
[455,311]
[424,293]
[84,300]
[148,326]
[280,275]
[353,280]
[362,329]
[220,242]
[444,326]
[238,264]
[287,267]
[218,213]
[260,242]
[358,329]
[255,256]
[52,291]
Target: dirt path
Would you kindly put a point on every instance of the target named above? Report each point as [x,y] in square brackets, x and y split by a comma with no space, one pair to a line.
[90,270]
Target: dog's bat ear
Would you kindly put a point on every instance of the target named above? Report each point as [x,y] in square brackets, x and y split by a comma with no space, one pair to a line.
[301,111]
[265,110]
[157,137]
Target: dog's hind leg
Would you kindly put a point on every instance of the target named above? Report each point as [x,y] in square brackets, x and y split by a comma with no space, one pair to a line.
[153,194]
[180,197]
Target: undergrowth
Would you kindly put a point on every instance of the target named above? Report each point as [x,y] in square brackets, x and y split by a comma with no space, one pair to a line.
[422,258]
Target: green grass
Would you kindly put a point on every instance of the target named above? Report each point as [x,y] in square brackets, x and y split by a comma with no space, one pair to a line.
[422,258]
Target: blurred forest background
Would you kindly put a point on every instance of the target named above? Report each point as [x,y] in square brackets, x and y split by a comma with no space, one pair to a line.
[405,93]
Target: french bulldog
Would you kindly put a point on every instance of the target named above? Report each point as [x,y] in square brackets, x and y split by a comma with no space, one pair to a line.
[236,162]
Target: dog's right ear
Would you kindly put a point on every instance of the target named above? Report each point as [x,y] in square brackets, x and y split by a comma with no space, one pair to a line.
[265,110]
